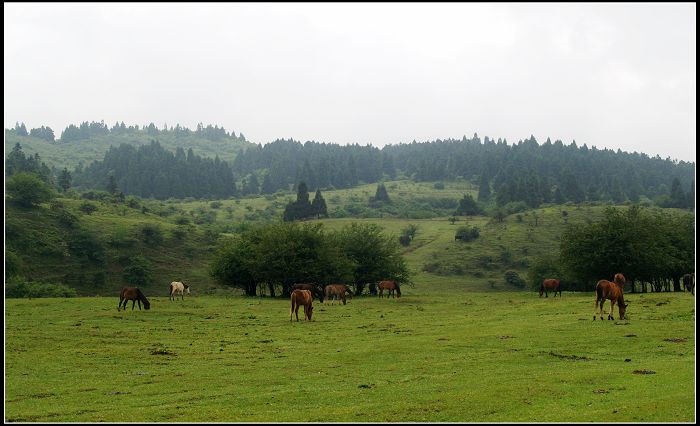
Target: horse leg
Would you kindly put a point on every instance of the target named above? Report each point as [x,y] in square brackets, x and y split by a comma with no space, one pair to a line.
[139,300]
[612,305]
[119,306]
[602,302]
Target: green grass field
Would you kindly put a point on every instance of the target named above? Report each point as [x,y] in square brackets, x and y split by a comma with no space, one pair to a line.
[429,356]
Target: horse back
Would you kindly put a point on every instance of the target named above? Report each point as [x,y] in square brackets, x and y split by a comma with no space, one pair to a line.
[301,297]
[550,283]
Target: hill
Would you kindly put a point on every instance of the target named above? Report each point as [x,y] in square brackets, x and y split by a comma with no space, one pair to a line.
[93,146]
[175,240]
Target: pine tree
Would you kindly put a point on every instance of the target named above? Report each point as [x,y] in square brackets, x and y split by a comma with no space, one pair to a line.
[381,194]
[111,184]
[64,179]
[484,188]
[318,206]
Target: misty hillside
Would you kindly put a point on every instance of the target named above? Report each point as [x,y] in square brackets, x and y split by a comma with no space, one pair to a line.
[90,142]
[211,163]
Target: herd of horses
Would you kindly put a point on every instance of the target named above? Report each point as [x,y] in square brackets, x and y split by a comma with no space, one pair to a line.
[303,294]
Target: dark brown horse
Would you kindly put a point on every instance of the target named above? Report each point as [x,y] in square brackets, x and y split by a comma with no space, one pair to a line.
[550,284]
[689,283]
[612,291]
[336,292]
[135,295]
[313,288]
[301,298]
[391,286]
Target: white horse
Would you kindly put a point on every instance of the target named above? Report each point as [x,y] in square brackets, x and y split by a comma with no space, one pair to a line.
[178,287]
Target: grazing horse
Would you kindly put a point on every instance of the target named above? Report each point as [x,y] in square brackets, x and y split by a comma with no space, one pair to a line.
[391,286]
[619,280]
[315,292]
[550,284]
[301,298]
[336,292]
[180,288]
[135,295]
[612,291]
[689,283]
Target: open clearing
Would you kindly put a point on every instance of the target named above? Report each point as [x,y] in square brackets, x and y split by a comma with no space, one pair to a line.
[429,356]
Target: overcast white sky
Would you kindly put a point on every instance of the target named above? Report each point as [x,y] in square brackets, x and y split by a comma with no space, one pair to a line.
[615,76]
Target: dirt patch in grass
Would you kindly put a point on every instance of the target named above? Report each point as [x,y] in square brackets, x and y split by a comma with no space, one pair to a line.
[571,357]
[676,340]
[644,372]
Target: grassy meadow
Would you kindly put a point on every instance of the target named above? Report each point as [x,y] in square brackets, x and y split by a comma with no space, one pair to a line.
[429,356]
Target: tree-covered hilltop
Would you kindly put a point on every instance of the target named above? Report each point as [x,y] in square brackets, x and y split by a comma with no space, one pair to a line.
[89,141]
[286,162]
[152,171]
[524,172]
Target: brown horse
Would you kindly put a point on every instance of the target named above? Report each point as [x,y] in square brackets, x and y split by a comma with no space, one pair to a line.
[313,288]
[336,291]
[135,295]
[550,284]
[612,291]
[301,298]
[620,280]
[689,283]
[391,286]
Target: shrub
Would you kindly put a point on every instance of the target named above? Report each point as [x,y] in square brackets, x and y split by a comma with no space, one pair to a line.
[512,278]
[27,189]
[21,288]
[85,244]
[87,207]
[151,234]
[467,234]
[138,272]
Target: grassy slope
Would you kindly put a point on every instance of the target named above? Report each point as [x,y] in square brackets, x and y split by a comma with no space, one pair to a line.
[452,356]
[477,265]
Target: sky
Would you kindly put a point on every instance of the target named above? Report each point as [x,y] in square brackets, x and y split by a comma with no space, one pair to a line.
[619,76]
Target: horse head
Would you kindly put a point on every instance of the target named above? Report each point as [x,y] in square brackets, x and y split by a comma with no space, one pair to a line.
[622,308]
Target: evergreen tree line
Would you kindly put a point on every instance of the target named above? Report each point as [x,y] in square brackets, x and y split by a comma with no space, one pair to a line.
[527,171]
[87,130]
[302,208]
[152,171]
[42,132]
[17,162]
[524,172]
[283,163]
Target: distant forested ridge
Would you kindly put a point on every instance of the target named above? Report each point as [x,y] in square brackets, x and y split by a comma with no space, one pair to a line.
[150,171]
[524,172]
[89,141]
[286,162]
